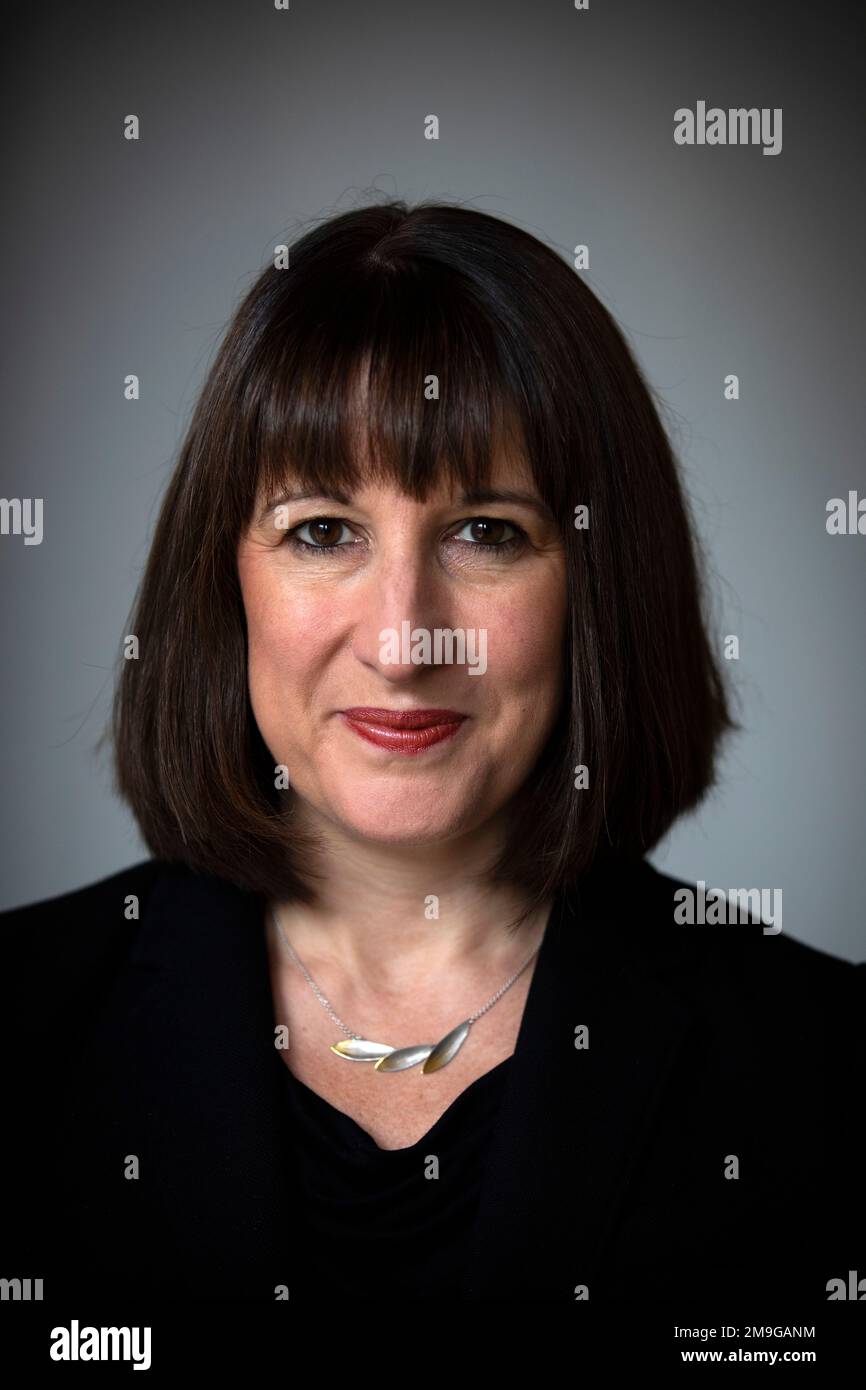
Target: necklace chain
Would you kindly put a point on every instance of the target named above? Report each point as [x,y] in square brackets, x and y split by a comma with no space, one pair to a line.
[349,1034]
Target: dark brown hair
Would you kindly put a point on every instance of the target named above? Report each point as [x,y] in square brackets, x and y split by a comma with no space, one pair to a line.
[518,341]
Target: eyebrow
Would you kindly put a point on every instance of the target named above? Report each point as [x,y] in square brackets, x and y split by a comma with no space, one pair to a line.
[478,497]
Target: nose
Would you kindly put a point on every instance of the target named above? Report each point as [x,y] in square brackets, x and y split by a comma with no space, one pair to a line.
[403,591]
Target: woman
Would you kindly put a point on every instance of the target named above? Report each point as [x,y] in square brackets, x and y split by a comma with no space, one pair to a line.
[417,676]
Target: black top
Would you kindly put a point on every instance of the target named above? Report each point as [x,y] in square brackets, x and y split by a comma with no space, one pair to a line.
[389,1218]
[680,1119]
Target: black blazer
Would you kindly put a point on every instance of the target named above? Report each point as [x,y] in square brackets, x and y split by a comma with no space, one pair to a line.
[154,1037]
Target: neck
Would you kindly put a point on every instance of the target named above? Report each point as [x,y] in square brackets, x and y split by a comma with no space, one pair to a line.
[392,917]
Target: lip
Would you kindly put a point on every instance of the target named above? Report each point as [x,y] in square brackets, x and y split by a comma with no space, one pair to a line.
[403,731]
[402,718]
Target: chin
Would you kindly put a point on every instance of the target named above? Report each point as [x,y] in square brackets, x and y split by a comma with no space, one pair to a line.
[403,825]
[387,833]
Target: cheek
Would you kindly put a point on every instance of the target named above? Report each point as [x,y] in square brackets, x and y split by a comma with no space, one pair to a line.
[280,647]
[525,644]
[283,634]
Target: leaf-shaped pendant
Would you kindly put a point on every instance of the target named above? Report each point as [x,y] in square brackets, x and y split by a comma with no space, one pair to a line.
[450,1045]
[360,1050]
[385,1058]
[403,1057]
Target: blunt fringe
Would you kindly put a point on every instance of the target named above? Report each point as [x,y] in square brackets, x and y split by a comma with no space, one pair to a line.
[387,295]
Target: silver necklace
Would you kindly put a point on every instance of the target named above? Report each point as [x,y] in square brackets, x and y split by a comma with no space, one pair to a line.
[385,1058]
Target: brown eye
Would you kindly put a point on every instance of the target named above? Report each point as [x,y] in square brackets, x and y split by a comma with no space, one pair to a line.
[486,533]
[324,532]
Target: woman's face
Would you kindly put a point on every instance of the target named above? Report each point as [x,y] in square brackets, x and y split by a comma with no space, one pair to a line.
[343,627]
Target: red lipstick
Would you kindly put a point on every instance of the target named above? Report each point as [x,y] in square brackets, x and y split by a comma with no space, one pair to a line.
[403,731]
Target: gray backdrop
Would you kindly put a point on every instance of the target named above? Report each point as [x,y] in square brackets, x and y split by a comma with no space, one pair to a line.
[130,257]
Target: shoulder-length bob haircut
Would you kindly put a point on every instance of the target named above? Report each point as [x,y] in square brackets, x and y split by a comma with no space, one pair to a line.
[386,296]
